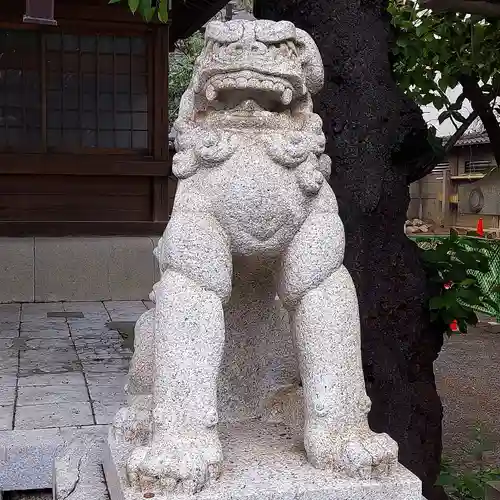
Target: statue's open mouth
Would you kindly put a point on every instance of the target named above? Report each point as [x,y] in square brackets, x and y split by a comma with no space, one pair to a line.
[246,97]
[246,82]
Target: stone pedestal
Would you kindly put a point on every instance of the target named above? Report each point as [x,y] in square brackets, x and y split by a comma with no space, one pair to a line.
[267,462]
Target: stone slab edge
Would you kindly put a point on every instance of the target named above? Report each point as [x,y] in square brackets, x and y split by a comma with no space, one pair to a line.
[27,457]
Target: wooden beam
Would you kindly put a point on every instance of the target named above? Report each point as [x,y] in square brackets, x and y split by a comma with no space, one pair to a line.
[480,7]
[82,164]
[40,12]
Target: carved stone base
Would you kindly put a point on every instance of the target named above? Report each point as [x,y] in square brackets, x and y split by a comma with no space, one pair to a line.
[266,462]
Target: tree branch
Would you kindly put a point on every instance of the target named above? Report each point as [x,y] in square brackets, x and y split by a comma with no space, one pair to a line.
[481,105]
[480,7]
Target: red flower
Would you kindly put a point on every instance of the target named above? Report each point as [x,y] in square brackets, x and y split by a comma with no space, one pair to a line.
[454,326]
[448,285]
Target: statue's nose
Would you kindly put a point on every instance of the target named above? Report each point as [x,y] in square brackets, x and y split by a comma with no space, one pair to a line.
[246,46]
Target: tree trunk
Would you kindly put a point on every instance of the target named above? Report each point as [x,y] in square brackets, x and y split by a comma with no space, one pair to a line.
[376,139]
[481,105]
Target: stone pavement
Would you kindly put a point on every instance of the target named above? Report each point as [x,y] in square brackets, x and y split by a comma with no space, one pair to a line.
[62,371]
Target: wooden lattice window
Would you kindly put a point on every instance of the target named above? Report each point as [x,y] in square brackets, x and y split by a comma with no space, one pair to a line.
[74,93]
[20,91]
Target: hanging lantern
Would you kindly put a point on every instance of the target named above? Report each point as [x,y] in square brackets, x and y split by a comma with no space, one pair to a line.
[40,12]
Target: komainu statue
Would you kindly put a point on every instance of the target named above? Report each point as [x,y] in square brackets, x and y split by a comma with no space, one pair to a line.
[252,198]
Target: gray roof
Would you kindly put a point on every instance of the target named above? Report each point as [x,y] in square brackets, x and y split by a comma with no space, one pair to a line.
[473,139]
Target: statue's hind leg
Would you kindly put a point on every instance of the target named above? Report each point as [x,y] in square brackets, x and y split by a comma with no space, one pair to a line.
[319,292]
[185,451]
[133,422]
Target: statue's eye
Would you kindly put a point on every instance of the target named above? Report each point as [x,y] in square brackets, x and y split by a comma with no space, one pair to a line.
[286,48]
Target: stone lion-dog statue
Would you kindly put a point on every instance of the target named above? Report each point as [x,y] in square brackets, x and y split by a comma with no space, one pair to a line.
[252,183]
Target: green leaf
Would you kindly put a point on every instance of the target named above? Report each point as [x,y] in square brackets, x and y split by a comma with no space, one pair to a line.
[114,1]
[437,303]
[468,282]
[474,486]
[163,11]
[133,5]
[471,296]
[444,116]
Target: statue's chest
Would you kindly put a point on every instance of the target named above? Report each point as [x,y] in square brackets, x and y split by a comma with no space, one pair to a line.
[252,194]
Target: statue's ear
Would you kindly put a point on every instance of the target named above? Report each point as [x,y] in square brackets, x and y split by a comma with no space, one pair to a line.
[312,63]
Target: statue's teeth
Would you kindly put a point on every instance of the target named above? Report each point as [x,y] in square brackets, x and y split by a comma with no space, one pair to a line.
[241,82]
[210,93]
[286,97]
[268,85]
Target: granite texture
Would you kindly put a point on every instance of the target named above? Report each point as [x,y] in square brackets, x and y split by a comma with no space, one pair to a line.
[253,217]
[265,462]
[78,470]
[378,142]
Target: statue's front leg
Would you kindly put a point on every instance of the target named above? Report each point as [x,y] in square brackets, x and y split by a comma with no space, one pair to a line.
[321,297]
[185,452]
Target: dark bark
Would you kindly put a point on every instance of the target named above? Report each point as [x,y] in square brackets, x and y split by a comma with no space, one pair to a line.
[481,105]
[377,139]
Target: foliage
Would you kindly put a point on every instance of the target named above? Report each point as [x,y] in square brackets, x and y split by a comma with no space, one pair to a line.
[180,70]
[454,264]
[469,485]
[148,9]
[433,51]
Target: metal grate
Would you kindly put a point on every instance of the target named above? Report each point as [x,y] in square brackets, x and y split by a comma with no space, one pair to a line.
[20,109]
[96,92]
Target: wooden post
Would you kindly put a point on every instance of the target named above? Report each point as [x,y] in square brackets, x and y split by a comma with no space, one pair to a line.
[40,12]
[445,193]
[420,200]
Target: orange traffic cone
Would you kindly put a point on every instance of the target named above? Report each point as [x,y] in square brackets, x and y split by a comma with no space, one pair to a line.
[480,229]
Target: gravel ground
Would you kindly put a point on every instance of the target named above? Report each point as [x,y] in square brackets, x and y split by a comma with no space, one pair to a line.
[468,380]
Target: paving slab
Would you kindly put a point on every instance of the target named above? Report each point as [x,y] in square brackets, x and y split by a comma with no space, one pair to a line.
[53,415]
[105,412]
[105,366]
[107,393]
[30,367]
[110,379]
[8,334]
[44,344]
[36,395]
[78,471]
[54,379]
[54,354]
[44,334]
[7,395]
[10,311]
[6,417]
[8,380]
[27,456]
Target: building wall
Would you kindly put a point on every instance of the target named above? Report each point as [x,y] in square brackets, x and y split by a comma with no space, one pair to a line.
[426,194]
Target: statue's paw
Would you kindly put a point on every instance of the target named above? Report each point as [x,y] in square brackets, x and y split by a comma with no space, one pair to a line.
[369,455]
[133,425]
[173,467]
[362,454]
